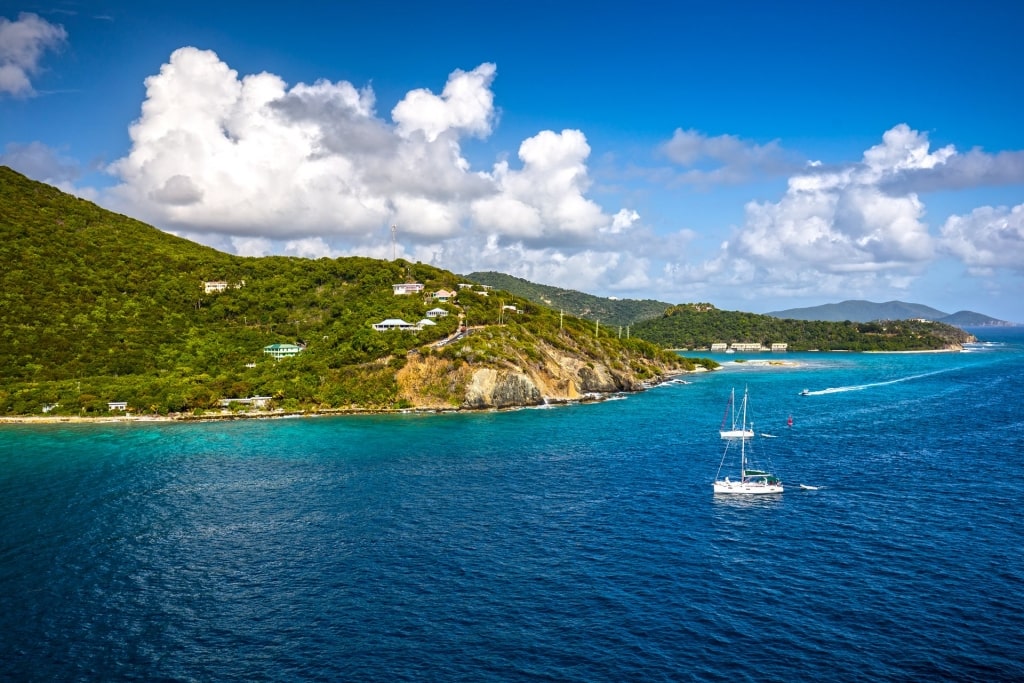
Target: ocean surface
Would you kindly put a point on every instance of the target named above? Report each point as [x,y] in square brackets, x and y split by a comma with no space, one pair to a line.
[578,543]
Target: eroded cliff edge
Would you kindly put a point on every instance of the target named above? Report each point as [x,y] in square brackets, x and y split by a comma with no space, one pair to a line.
[491,370]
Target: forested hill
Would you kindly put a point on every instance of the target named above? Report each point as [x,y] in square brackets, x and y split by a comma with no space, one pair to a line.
[857,310]
[99,307]
[602,309]
[698,326]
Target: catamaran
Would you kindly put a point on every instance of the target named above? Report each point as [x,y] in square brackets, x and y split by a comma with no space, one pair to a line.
[751,481]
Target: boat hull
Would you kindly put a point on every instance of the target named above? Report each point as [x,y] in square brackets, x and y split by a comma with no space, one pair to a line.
[737,433]
[747,487]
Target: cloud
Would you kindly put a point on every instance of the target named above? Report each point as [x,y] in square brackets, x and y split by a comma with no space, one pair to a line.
[545,201]
[839,220]
[22,44]
[986,239]
[466,104]
[976,168]
[214,152]
[836,229]
[261,167]
[724,159]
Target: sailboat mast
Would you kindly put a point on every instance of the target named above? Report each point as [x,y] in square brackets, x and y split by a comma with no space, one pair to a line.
[743,439]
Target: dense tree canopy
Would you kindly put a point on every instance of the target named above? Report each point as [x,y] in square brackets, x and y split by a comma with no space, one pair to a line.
[697,326]
[100,307]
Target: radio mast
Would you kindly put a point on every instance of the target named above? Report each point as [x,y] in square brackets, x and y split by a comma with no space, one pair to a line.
[394,243]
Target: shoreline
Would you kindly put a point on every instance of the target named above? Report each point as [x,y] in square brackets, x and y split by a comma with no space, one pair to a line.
[280,413]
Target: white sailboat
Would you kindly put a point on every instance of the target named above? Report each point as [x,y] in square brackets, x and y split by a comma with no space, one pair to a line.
[729,420]
[750,481]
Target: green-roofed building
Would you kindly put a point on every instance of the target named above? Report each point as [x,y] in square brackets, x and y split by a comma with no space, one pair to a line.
[280,351]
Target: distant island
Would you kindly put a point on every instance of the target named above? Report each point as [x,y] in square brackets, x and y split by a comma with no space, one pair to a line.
[866,311]
[611,311]
[703,327]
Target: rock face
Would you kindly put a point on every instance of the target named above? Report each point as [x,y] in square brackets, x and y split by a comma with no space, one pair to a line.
[491,388]
[549,374]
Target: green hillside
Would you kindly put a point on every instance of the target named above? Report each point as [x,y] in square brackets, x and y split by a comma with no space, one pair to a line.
[698,326]
[100,307]
[607,311]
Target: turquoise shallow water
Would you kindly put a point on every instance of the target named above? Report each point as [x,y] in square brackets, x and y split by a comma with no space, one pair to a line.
[577,543]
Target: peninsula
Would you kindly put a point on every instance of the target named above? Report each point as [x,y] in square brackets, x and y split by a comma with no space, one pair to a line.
[106,316]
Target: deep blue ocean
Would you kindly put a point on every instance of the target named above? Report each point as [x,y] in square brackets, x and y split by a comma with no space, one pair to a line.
[578,543]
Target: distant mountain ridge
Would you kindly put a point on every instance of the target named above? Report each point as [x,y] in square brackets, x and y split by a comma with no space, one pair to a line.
[607,311]
[858,310]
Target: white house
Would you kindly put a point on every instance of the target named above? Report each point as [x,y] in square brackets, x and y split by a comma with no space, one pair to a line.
[280,351]
[426,322]
[214,286]
[437,313]
[117,405]
[780,346]
[443,295]
[394,324]
[407,288]
[719,346]
[254,401]
[217,286]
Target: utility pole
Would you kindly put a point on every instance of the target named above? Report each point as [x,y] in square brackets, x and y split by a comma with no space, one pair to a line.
[394,243]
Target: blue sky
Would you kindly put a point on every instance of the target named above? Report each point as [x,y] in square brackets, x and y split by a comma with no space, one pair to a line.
[758,156]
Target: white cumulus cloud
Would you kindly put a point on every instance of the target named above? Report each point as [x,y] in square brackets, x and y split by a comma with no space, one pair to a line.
[987,238]
[313,169]
[465,104]
[22,45]
[841,222]
[545,200]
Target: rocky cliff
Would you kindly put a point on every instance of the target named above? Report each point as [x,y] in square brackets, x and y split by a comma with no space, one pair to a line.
[464,379]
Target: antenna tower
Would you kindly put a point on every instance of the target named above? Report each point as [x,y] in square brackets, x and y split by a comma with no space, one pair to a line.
[394,243]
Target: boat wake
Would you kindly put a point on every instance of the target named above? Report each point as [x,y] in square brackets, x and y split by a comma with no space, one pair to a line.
[861,387]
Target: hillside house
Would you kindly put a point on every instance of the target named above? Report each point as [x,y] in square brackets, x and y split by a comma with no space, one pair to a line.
[426,322]
[214,286]
[437,313]
[217,286]
[117,405]
[407,288]
[394,324]
[280,351]
[254,401]
[443,295]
